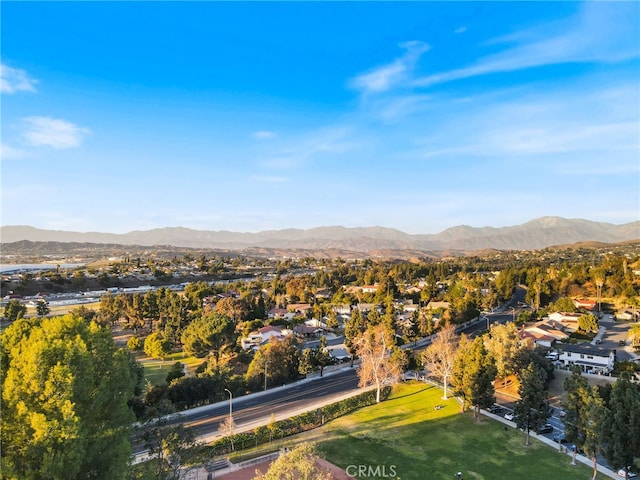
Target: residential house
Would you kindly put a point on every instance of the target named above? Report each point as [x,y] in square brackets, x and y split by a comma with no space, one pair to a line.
[569,321]
[299,309]
[342,309]
[263,335]
[278,313]
[584,303]
[543,333]
[590,358]
[627,315]
[406,305]
[437,305]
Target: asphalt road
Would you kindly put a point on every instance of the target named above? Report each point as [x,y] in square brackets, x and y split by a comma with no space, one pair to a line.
[252,410]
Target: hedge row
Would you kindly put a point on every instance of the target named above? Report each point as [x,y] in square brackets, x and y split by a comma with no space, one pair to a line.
[297,424]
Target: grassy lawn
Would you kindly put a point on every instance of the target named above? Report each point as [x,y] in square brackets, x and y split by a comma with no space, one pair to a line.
[424,443]
[156,370]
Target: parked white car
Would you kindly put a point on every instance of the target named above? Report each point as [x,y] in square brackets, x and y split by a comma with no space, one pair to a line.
[508,416]
[631,474]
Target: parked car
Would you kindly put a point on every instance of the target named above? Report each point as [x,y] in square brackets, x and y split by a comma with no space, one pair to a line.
[495,409]
[508,416]
[559,437]
[545,429]
[631,474]
[622,343]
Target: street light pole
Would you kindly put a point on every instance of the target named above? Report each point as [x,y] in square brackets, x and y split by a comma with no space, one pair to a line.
[230,406]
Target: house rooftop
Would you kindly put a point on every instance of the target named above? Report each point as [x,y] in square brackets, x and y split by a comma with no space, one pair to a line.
[588,349]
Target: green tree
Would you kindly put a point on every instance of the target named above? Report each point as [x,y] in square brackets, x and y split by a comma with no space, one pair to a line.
[621,427]
[42,308]
[588,323]
[276,363]
[134,344]
[176,371]
[353,328]
[176,450]
[322,358]
[210,334]
[473,375]
[577,392]
[593,418]
[14,310]
[156,346]
[504,345]
[532,410]
[65,390]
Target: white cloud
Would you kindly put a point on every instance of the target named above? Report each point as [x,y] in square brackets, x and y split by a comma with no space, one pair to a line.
[14,80]
[460,30]
[9,153]
[263,135]
[601,32]
[53,132]
[388,76]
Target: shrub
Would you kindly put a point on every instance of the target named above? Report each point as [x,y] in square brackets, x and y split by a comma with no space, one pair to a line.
[134,344]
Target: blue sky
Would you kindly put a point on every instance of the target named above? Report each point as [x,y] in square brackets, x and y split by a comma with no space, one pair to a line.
[418,116]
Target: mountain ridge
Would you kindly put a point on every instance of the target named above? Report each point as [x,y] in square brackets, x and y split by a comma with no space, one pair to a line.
[535,234]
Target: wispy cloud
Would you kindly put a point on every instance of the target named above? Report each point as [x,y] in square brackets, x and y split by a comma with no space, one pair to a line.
[590,124]
[298,152]
[14,80]
[53,132]
[8,152]
[460,30]
[263,135]
[388,76]
[600,32]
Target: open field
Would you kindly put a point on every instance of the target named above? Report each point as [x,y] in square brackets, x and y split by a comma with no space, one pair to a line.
[156,370]
[58,310]
[423,443]
[406,432]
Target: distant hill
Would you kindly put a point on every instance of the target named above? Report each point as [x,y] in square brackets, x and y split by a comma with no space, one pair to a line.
[536,234]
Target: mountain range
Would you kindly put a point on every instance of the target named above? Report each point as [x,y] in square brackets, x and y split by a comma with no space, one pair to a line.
[536,234]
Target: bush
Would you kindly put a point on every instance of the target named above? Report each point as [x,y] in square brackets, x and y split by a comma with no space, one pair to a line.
[177,371]
[134,344]
[299,423]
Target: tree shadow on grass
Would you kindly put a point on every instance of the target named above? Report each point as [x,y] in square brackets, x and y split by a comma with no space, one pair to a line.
[426,387]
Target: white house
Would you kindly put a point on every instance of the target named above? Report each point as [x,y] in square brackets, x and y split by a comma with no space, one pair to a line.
[263,335]
[342,309]
[590,358]
[568,320]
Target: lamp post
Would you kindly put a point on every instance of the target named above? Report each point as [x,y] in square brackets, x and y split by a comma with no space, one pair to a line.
[230,406]
[513,312]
